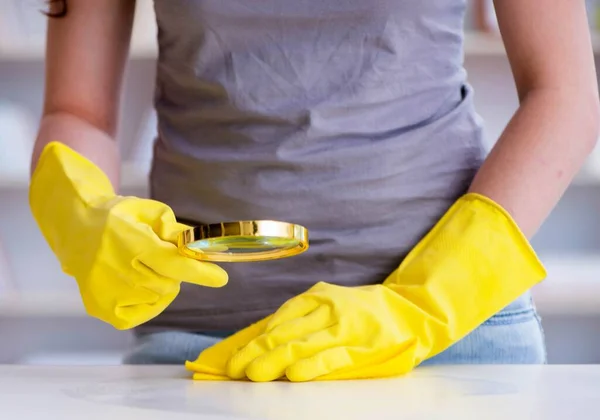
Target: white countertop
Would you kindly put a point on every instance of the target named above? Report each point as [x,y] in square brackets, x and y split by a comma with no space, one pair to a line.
[449,392]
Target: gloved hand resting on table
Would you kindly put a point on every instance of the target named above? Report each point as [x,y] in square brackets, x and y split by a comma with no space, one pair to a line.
[473,263]
[121,250]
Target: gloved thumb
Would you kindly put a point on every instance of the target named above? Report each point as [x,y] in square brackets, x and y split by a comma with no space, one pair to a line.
[166,260]
[167,228]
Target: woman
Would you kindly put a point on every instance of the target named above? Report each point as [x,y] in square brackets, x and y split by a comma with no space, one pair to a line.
[353,119]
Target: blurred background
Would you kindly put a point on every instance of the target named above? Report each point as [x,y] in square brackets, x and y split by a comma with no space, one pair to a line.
[41,318]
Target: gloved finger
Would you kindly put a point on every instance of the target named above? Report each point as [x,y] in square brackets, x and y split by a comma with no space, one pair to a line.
[298,328]
[156,216]
[158,224]
[145,277]
[139,307]
[327,361]
[294,308]
[169,231]
[166,261]
[292,330]
[353,362]
[273,365]
[97,306]
[214,359]
[400,362]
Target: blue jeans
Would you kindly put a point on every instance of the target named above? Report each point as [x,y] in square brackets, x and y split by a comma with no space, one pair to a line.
[512,336]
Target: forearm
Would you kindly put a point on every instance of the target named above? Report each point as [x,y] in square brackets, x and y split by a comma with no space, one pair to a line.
[86,53]
[541,150]
[83,137]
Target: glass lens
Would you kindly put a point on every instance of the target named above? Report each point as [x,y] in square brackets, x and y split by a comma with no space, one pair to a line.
[243,244]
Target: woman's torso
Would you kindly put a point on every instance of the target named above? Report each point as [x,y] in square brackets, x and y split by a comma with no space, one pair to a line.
[351,118]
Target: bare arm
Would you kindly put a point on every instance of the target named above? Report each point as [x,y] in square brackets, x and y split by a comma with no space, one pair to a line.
[86,55]
[556,126]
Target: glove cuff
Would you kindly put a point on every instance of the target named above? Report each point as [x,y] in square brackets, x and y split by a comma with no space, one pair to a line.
[63,187]
[472,264]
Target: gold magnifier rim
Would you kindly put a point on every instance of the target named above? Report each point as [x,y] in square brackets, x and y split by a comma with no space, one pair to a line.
[244,228]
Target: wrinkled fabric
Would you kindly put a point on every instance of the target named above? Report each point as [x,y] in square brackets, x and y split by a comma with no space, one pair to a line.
[351,118]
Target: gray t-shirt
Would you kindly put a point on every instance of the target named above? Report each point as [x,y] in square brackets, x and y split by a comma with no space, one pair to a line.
[352,118]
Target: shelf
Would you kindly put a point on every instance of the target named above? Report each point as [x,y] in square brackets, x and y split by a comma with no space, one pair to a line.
[585,180]
[482,44]
[133,176]
[143,44]
[476,44]
[41,305]
[18,54]
[572,286]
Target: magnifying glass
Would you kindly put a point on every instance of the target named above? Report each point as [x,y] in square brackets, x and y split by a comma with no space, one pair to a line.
[243,241]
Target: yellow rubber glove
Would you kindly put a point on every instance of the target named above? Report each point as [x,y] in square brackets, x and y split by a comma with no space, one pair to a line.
[473,263]
[211,365]
[121,250]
